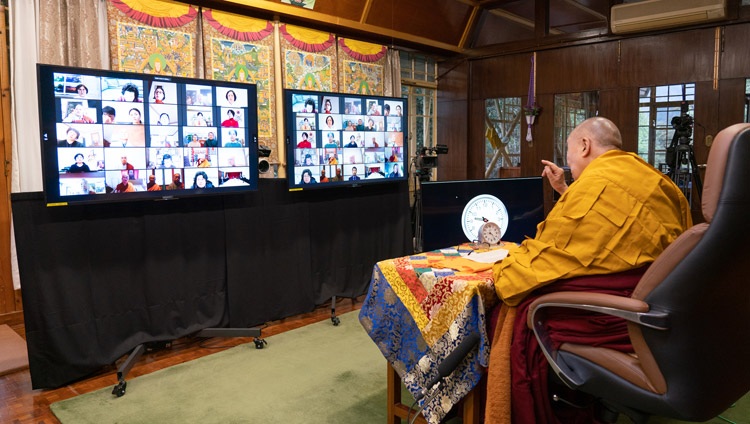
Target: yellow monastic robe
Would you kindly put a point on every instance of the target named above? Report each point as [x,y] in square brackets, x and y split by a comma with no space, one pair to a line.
[620,214]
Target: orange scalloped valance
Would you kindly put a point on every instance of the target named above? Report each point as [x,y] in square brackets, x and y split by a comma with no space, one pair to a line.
[307,39]
[364,52]
[157,13]
[228,24]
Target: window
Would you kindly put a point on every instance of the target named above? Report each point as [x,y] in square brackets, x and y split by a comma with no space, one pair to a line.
[659,108]
[503,119]
[419,86]
[570,110]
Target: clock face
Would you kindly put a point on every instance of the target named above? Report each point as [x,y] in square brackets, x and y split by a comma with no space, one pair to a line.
[480,210]
[490,233]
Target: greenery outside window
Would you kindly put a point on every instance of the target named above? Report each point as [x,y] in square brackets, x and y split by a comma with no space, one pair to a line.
[419,87]
[503,119]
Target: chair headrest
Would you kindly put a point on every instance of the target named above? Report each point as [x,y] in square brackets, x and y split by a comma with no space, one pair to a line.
[716,168]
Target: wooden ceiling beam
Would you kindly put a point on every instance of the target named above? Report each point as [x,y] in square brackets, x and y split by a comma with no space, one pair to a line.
[520,20]
[317,20]
[541,18]
[365,11]
[470,28]
[585,9]
[494,4]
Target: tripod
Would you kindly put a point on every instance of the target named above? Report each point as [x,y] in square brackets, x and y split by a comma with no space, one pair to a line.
[420,174]
[683,169]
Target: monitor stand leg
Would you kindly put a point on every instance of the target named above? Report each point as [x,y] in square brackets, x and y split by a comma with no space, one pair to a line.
[122,370]
[334,319]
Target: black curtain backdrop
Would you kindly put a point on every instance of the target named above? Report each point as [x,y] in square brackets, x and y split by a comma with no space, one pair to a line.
[98,280]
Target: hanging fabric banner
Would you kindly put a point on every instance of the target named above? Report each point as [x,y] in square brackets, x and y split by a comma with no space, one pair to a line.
[154,36]
[362,67]
[309,59]
[240,49]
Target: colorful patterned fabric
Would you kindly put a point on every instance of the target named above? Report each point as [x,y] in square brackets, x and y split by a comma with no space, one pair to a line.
[240,49]
[152,37]
[309,59]
[361,67]
[417,315]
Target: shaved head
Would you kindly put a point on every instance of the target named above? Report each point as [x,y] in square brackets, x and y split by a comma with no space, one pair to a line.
[601,131]
[592,138]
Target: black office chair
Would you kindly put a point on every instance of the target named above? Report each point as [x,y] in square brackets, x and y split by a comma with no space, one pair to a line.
[688,318]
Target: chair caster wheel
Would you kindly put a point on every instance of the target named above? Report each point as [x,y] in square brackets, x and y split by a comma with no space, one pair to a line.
[259,343]
[119,389]
[335,320]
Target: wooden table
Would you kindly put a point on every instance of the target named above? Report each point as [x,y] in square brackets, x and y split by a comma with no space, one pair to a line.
[417,313]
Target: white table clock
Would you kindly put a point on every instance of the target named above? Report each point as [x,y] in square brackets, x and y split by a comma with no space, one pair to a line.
[485,219]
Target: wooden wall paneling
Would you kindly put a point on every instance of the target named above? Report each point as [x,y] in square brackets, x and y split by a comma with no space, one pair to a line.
[445,21]
[452,125]
[735,62]
[706,118]
[453,81]
[453,132]
[669,58]
[476,148]
[542,145]
[8,301]
[620,105]
[505,76]
[731,102]
[575,69]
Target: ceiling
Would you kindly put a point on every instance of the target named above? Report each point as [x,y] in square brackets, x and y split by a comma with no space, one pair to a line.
[451,28]
[445,27]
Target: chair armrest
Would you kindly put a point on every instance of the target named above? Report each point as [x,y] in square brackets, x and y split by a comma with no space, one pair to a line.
[630,309]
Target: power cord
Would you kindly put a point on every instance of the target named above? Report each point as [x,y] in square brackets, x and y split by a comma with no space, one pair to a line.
[411,419]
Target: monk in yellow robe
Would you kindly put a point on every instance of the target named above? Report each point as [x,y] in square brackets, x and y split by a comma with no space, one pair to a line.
[618,215]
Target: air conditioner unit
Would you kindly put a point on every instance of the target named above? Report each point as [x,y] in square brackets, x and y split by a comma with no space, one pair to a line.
[650,15]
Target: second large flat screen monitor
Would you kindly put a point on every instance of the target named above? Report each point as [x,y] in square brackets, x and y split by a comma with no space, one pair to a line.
[336,140]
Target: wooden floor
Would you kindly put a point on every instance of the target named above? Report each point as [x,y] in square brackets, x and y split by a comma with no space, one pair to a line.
[19,404]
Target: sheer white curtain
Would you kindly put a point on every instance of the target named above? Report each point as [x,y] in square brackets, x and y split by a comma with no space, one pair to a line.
[62,32]
[392,80]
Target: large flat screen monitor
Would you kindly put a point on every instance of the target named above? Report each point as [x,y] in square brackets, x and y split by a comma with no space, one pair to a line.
[453,211]
[114,136]
[337,140]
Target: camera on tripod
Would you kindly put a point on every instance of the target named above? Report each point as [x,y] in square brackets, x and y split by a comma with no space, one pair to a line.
[680,157]
[428,159]
[683,125]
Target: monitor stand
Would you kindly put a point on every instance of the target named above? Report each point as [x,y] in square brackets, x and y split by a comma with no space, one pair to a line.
[138,351]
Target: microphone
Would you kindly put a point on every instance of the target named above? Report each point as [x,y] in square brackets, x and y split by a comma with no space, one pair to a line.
[450,363]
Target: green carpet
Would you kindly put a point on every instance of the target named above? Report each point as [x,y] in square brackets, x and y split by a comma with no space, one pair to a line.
[316,374]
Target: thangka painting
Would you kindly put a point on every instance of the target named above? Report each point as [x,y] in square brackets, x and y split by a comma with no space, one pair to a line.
[361,67]
[240,49]
[309,59]
[307,4]
[156,37]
